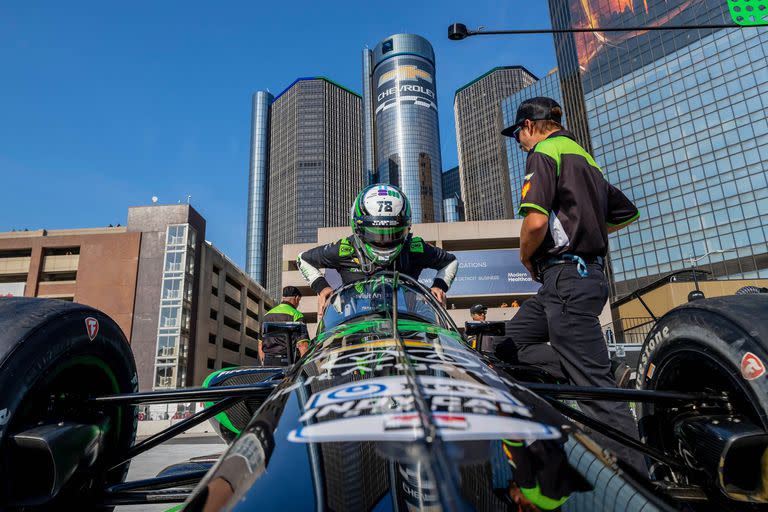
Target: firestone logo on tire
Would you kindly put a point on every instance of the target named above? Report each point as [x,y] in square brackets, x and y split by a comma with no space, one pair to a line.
[91,327]
[751,366]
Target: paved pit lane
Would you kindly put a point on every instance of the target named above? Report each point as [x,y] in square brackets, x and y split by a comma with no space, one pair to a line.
[180,449]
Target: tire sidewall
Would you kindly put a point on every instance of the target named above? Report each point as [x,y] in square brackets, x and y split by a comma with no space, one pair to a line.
[708,332]
[51,345]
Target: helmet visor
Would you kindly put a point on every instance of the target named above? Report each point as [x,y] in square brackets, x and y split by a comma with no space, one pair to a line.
[383,237]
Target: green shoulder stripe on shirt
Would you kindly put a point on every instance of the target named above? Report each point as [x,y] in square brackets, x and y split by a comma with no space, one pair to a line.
[557,146]
[531,205]
[417,244]
[345,248]
[632,219]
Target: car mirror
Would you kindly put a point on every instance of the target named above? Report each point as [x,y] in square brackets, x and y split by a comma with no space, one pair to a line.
[490,328]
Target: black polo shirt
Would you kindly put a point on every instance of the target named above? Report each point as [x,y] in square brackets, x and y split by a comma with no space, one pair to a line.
[564,182]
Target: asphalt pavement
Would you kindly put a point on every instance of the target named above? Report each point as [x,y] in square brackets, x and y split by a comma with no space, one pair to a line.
[180,449]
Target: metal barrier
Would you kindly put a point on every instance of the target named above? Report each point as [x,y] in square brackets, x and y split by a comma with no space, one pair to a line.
[627,331]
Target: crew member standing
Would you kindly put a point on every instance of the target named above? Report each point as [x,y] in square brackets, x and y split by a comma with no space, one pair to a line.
[569,209]
[273,349]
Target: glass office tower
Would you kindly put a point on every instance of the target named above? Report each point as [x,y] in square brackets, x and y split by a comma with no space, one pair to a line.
[453,206]
[678,123]
[483,164]
[548,86]
[256,240]
[402,136]
[315,165]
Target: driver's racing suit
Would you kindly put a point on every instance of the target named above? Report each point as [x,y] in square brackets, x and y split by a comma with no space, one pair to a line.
[344,257]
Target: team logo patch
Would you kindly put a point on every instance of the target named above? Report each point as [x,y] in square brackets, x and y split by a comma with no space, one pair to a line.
[91,327]
[751,366]
[526,188]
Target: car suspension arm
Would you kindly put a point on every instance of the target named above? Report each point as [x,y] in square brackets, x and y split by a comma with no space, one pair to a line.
[620,395]
[177,429]
[183,479]
[616,435]
[262,389]
[145,497]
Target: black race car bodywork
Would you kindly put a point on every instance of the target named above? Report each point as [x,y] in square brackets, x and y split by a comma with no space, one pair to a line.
[392,410]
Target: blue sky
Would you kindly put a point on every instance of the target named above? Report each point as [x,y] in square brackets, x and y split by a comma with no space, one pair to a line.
[105,104]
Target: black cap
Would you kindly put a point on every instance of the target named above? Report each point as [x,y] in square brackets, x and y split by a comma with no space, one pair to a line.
[291,291]
[478,309]
[539,108]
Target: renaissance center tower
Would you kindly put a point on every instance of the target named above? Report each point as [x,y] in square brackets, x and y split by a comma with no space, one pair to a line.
[401,131]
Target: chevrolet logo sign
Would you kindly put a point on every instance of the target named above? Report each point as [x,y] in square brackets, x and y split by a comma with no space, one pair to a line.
[405,73]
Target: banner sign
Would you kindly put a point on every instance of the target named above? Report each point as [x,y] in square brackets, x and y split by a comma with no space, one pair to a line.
[409,80]
[488,272]
[12,289]
[482,272]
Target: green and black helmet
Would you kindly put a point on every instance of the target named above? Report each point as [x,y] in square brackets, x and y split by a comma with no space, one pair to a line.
[381,222]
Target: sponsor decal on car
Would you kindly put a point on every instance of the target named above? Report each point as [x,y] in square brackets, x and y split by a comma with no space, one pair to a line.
[385,409]
[451,393]
[91,327]
[399,427]
[752,367]
[249,449]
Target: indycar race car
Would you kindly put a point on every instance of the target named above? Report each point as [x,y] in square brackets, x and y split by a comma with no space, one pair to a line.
[390,409]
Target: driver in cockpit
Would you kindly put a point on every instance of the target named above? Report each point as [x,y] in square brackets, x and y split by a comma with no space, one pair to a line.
[381,240]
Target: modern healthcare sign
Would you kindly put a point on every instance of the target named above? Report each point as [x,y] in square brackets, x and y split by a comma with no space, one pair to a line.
[488,272]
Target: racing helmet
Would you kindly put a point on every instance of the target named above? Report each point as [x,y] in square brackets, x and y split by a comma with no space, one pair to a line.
[381,222]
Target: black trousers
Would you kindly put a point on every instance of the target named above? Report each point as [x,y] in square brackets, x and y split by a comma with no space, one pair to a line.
[565,313]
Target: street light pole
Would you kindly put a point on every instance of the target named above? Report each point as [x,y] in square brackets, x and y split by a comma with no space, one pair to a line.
[459,31]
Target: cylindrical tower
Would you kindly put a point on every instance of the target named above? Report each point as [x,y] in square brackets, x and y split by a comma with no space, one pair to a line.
[255,250]
[369,159]
[407,136]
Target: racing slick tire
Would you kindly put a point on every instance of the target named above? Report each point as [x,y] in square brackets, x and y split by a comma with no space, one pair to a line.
[53,356]
[713,346]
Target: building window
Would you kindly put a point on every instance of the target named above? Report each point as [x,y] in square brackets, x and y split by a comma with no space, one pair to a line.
[166,346]
[174,262]
[172,288]
[169,316]
[176,235]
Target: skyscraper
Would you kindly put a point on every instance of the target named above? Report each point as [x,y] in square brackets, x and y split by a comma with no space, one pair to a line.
[256,239]
[548,86]
[483,164]
[678,123]
[453,206]
[402,137]
[315,165]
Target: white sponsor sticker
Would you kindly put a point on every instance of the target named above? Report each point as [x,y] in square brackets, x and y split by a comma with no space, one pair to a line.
[428,385]
[407,427]
[385,409]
